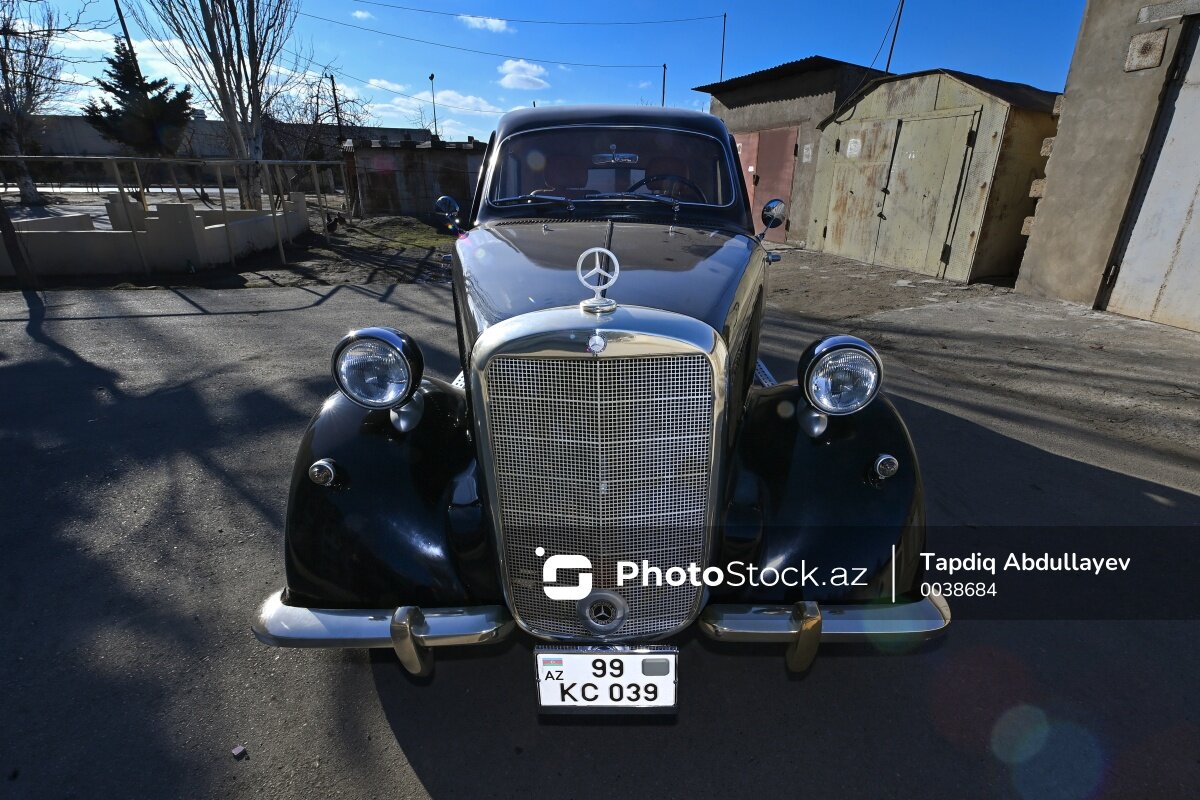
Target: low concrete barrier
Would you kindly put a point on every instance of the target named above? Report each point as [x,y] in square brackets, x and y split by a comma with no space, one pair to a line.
[174,237]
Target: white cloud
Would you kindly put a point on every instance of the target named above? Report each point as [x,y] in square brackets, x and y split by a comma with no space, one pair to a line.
[485,24]
[362,15]
[453,102]
[644,84]
[380,83]
[85,40]
[520,74]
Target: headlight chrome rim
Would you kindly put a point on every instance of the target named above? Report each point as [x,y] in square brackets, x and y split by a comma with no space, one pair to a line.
[827,347]
[397,340]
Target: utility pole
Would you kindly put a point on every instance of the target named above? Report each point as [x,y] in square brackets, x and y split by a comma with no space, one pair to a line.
[895,33]
[337,111]
[724,19]
[664,92]
[433,94]
[128,41]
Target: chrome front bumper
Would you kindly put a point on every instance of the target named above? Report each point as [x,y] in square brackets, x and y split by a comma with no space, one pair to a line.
[412,632]
[805,625]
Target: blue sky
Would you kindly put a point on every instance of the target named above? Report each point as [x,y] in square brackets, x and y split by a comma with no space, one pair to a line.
[1019,40]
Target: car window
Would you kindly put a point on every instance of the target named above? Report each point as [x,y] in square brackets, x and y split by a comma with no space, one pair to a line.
[587,162]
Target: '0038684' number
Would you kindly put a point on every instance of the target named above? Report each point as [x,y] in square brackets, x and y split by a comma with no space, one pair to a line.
[958,589]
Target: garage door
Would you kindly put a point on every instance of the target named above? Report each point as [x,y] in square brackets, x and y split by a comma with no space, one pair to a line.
[776,165]
[747,147]
[1159,275]
[861,162]
[921,190]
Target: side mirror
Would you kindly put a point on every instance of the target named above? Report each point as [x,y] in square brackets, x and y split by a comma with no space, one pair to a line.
[774,213]
[448,207]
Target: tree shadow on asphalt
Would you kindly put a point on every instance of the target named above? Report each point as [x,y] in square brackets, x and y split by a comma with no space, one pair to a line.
[91,711]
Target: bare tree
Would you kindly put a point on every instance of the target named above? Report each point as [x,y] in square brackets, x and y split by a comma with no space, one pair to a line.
[31,67]
[419,119]
[304,123]
[236,53]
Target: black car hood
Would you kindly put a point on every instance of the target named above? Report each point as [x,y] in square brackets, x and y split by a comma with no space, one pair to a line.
[509,269]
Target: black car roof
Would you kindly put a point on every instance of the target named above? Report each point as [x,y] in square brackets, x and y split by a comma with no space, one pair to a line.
[531,118]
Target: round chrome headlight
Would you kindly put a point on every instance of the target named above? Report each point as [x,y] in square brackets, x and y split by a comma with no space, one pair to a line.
[842,375]
[377,367]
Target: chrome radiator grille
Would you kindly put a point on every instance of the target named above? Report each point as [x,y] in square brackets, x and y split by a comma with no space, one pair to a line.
[607,458]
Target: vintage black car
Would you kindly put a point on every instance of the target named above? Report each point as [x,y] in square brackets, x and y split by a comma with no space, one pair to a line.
[614,464]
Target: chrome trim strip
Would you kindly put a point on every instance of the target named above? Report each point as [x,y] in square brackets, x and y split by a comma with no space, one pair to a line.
[281,625]
[923,619]
[763,375]
[630,331]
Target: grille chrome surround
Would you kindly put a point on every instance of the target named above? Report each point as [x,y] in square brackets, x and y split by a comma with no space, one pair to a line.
[612,456]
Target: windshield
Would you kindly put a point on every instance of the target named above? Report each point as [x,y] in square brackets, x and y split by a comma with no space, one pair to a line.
[604,164]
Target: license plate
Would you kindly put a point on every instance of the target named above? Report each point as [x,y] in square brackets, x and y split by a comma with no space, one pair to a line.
[606,679]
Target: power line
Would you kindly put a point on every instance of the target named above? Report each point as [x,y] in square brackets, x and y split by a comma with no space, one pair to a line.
[537,21]
[893,21]
[365,82]
[478,52]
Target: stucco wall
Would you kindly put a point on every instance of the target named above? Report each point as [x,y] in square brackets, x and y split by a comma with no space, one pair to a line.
[1107,118]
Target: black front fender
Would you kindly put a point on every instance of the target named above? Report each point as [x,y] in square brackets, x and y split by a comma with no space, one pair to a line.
[801,501]
[404,523]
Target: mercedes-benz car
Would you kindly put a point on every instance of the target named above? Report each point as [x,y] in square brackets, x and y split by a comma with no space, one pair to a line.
[614,464]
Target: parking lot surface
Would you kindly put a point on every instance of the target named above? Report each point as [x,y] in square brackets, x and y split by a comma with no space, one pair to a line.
[147,444]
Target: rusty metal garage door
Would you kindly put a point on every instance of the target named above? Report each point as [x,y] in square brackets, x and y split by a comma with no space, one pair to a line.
[776,165]
[1159,275]
[747,147]
[863,159]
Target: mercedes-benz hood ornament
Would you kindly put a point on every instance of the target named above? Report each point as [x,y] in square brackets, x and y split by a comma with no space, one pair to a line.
[605,269]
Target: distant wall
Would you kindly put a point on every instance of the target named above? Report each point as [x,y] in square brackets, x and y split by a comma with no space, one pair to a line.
[60,134]
[408,181]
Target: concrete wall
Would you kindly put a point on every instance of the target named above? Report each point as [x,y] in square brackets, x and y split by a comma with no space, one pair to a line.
[65,222]
[171,238]
[1107,118]
[799,101]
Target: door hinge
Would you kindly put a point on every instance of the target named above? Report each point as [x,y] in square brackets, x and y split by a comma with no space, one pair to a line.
[945,259]
[795,149]
[837,145]
[970,138]
[824,232]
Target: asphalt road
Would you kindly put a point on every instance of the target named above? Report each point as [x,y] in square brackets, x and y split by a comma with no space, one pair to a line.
[147,438]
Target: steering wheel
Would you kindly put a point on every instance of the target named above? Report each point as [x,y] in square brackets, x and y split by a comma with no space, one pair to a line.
[674,179]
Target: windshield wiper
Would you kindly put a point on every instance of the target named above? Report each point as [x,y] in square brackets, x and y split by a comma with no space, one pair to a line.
[657,198]
[535,199]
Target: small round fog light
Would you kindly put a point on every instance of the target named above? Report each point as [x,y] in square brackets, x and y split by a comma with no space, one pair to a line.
[886,466]
[322,472]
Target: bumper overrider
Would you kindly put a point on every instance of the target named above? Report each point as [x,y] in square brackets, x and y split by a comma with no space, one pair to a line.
[414,632]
